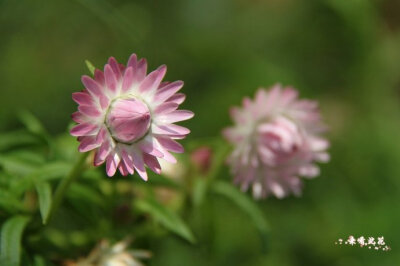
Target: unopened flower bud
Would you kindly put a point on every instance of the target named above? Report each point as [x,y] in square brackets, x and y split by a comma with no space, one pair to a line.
[128,120]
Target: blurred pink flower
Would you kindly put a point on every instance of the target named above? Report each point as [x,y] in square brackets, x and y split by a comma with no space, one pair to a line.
[127,116]
[277,140]
[201,158]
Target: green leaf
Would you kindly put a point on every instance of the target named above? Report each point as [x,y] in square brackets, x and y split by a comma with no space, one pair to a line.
[219,157]
[39,261]
[32,123]
[82,192]
[246,204]
[159,181]
[16,139]
[19,185]
[26,174]
[200,188]
[45,199]
[166,217]
[65,146]
[11,234]
[35,127]
[90,66]
[52,171]
[21,162]
[10,203]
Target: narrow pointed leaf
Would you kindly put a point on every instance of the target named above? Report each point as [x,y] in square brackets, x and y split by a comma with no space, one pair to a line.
[80,193]
[200,188]
[52,170]
[16,139]
[32,123]
[246,204]
[10,242]
[90,66]
[166,217]
[21,162]
[45,199]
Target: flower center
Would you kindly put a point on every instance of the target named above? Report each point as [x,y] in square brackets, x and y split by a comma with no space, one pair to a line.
[128,119]
[279,141]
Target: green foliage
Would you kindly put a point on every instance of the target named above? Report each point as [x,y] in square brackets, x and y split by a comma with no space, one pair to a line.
[200,188]
[165,217]
[343,53]
[11,234]
[22,162]
[52,170]
[39,261]
[32,124]
[44,192]
[84,193]
[246,205]
[10,203]
[31,170]
[90,66]
[15,139]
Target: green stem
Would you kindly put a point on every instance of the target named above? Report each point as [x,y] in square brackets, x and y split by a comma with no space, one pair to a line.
[198,186]
[66,182]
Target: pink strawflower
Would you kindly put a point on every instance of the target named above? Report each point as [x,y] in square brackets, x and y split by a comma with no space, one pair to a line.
[277,140]
[127,116]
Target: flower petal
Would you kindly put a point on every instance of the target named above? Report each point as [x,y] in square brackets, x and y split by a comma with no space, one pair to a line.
[167,91]
[104,102]
[139,73]
[103,152]
[152,163]
[138,163]
[89,110]
[88,143]
[112,163]
[82,98]
[111,80]
[170,129]
[115,67]
[92,86]
[177,98]
[166,107]
[122,169]
[78,117]
[153,80]
[132,62]
[170,144]
[149,146]
[83,129]
[127,159]
[128,79]
[175,116]
[288,96]
[99,77]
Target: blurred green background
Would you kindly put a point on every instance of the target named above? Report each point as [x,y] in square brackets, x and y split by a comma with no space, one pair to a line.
[343,53]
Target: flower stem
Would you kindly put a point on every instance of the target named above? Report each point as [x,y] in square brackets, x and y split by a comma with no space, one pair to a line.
[66,182]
